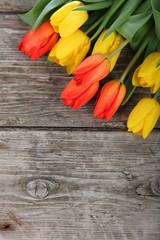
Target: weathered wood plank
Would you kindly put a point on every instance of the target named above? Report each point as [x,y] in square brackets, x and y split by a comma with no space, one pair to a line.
[82,185]
[16,6]
[30,90]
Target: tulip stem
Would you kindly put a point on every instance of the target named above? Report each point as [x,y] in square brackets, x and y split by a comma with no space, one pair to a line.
[118,49]
[94,25]
[156,96]
[134,59]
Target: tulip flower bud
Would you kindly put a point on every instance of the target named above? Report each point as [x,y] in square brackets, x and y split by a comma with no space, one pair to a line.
[109,99]
[40,41]
[148,73]
[92,69]
[70,51]
[109,45]
[144,116]
[65,21]
[76,95]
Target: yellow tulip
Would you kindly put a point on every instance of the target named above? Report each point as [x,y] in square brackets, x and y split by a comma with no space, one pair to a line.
[65,21]
[147,74]
[109,45]
[70,51]
[144,116]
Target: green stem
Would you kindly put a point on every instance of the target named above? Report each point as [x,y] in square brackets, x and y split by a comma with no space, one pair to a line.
[156,96]
[134,59]
[118,49]
[94,25]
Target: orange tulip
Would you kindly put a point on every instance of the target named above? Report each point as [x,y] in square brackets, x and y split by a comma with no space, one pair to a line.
[109,99]
[40,41]
[76,95]
[92,69]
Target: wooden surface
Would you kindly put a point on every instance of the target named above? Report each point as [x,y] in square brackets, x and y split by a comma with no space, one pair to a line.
[65,175]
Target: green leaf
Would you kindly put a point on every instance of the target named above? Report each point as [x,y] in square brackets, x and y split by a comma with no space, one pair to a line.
[115,6]
[130,27]
[128,83]
[128,8]
[144,7]
[152,45]
[141,34]
[158,64]
[94,18]
[116,33]
[93,1]
[47,61]
[31,16]
[157,95]
[94,6]
[49,9]
[156,13]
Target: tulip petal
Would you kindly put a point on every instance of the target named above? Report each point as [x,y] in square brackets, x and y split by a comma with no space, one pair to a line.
[108,94]
[65,21]
[75,19]
[141,110]
[38,42]
[150,120]
[70,51]
[147,81]
[149,64]
[63,12]
[39,35]
[73,90]
[97,73]
[68,102]
[106,47]
[135,78]
[89,63]
[117,102]
[156,86]
[78,57]
[45,46]
[137,129]
[86,96]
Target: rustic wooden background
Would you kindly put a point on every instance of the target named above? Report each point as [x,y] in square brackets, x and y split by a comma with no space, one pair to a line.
[63,174]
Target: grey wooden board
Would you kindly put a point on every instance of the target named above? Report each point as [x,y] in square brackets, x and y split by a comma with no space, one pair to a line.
[63,174]
[16,6]
[30,90]
[79,185]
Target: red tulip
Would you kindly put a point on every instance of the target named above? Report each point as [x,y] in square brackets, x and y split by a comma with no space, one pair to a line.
[92,69]
[109,99]
[40,41]
[76,95]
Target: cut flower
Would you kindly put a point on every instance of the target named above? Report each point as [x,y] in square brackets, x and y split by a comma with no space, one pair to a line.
[65,21]
[38,42]
[144,116]
[70,51]
[92,69]
[75,95]
[148,74]
[109,99]
[109,45]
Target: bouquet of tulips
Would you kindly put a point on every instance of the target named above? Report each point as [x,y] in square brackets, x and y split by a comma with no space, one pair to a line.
[69,29]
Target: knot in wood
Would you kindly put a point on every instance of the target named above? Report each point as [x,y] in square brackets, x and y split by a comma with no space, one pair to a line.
[6,227]
[155,186]
[41,188]
[37,189]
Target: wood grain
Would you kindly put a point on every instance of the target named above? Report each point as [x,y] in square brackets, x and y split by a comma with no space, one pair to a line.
[16,6]
[63,174]
[30,90]
[97,187]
